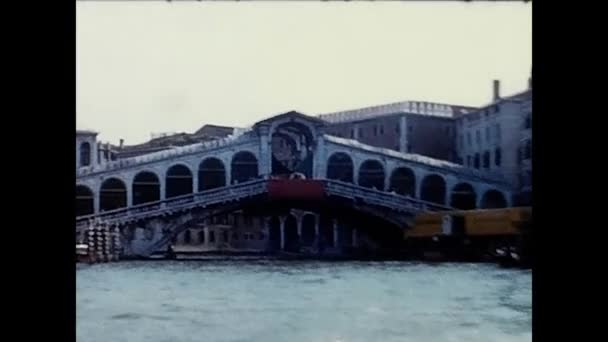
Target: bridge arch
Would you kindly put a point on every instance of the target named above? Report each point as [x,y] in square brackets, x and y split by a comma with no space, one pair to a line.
[274,233]
[493,199]
[211,174]
[340,167]
[291,233]
[146,188]
[371,174]
[433,189]
[178,181]
[308,230]
[244,167]
[463,196]
[403,181]
[84,200]
[112,194]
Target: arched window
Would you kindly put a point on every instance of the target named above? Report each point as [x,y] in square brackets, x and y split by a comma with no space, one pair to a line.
[85,154]
[187,237]
[497,157]
[486,160]
[340,167]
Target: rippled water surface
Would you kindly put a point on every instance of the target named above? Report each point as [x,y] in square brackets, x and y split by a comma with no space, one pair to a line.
[301,301]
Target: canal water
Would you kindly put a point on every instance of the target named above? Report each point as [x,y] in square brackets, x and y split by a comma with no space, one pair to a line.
[307,301]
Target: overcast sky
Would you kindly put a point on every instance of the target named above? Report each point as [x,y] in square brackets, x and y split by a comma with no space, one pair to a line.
[147,67]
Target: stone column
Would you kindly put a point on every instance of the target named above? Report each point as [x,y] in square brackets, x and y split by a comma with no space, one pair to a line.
[320,159]
[402,134]
[162,188]
[336,233]
[96,200]
[195,181]
[282,220]
[265,151]
[129,195]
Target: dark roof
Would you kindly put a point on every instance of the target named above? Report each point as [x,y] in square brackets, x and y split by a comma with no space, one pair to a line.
[227,129]
[293,113]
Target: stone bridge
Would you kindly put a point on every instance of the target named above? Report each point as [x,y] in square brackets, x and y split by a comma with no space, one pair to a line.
[195,181]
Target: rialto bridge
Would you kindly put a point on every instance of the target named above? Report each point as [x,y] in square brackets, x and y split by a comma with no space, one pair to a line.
[281,163]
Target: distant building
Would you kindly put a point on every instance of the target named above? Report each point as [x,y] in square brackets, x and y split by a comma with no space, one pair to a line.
[90,152]
[402,126]
[497,137]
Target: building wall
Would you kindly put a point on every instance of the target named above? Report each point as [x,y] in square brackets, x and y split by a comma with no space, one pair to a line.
[431,136]
[90,138]
[425,135]
[496,129]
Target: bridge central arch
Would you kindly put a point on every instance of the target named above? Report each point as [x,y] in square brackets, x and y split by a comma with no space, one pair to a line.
[340,167]
[292,145]
[371,174]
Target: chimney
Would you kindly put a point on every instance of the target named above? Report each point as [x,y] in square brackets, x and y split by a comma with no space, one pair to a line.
[122,141]
[496,90]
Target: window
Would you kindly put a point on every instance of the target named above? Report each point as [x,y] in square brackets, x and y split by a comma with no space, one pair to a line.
[476,162]
[410,128]
[478,137]
[187,237]
[469,140]
[375,130]
[85,154]
[461,141]
[352,133]
[360,133]
[497,128]
[248,220]
[497,157]
[225,236]
[409,148]
[397,128]
[262,236]
[212,236]
[487,134]
[469,161]
[201,236]
[235,236]
[381,129]
[486,160]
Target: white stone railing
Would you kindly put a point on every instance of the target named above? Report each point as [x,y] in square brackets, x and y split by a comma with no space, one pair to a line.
[162,155]
[381,198]
[415,107]
[419,159]
[184,202]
